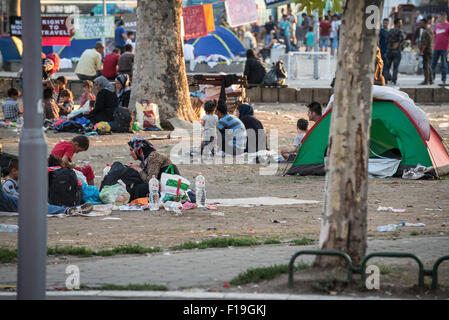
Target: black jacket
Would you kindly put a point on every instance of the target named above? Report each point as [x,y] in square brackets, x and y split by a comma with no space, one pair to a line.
[105,104]
[254,71]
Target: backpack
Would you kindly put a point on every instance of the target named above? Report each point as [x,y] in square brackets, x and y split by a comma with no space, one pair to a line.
[70,126]
[122,120]
[276,76]
[63,188]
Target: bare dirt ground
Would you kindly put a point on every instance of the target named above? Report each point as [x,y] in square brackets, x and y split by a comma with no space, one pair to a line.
[419,198]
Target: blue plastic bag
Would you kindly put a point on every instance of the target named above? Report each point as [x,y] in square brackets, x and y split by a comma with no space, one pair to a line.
[91,194]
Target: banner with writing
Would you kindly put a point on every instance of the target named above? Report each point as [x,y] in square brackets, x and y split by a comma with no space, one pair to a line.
[50,26]
[93,27]
[195,24]
[241,12]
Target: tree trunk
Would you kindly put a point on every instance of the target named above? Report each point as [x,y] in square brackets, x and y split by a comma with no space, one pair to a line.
[159,73]
[344,224]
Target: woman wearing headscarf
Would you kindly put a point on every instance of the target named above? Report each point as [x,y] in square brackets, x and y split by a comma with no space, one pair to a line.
[254,68]
[123,90]
[105,102]
[255,131]
[151,161]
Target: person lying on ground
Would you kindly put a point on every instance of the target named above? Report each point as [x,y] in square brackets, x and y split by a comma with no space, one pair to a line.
[256,136]
[11,185]
[301,126]
[106,102]
[10,203]
[65,151]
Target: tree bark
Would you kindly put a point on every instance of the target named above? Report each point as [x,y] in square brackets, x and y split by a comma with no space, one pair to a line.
[14,8]
[344,222]
[159,73]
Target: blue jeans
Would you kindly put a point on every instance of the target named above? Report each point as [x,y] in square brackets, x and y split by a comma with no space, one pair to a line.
[10,203]
[436,56]
[324,42]
[393,58]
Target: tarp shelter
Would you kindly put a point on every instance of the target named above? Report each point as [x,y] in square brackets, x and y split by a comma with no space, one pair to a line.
[397,131]
[112,8]
[75,50]
[221,41]
[11,48]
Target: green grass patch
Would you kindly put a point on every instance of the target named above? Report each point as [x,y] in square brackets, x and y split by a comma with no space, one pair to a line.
[256,275]
[302,242]
[133,287]
[272,241]
[84,252]
[7,255]
[217,243]
[415,233]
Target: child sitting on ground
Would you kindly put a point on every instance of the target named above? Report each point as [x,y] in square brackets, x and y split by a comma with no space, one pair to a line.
[209,122]
[11,185]
[66,106]
[11,109]
[51,109]
[65,151]
[61,82]
[87,93]
[301,126]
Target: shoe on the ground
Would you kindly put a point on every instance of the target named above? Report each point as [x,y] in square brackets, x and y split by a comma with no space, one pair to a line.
[423,83]
[431,82]
[80,210]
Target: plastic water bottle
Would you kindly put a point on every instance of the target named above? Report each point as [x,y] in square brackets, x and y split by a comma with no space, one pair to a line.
[154,194]
[390,227]
[407,224]
[173,206]
[9,228]
[106,170]
[200,192]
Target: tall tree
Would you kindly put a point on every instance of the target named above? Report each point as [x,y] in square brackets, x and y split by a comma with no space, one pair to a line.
[344,221]
[14,8]
[159,73]
[344,224]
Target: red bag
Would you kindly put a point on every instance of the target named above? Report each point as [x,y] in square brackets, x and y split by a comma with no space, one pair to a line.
[56,61]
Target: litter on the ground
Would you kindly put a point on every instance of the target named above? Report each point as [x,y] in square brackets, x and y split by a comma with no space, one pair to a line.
[217,214]
[407,224]
[391,209]
[131,208]
[111,218]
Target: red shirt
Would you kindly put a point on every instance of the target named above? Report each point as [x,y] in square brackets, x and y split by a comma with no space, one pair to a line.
[441,33]
[63,148]
[325,28]
[110,65]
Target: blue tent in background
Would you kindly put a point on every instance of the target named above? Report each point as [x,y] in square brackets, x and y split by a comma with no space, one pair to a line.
[211,44]
[221,41]
[233,42]
[75,49]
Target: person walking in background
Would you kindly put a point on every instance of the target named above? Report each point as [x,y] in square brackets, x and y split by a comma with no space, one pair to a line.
[395,43]
[383,43]
[284,32]
[441,33]
[425,50]
[335,28]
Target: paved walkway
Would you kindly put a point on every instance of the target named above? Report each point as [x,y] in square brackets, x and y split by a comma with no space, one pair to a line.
[209,267]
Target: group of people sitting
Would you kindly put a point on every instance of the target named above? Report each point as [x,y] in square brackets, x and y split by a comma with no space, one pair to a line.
[243,132]
[58,100]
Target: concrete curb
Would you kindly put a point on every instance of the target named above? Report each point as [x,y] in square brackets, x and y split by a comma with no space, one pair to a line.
[180,295]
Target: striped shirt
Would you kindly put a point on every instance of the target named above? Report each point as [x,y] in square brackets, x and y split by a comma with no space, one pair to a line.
[11,109]
[233,132]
